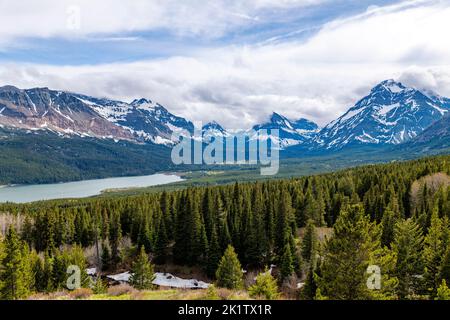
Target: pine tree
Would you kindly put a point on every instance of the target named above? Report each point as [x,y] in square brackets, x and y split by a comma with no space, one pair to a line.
[229,273]
[347,256]
[27,231]
[190,242]
[433,253]
[142,272]
[265,287]
[309,289]
[162,243]
[285,221]
[214,254]
[47,274]
[115,235]
[390,217]
[106,257]
[314,209]
[444,272]
[310,241]
[407,244]
[286,263]
[16,273]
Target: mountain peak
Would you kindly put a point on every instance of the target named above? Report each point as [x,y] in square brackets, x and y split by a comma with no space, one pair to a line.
[137,102]
[9,88]
[276,117]
[389,85]
[213,125]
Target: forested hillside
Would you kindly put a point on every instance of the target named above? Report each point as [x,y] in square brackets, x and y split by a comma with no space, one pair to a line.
[27,158]
[393,216]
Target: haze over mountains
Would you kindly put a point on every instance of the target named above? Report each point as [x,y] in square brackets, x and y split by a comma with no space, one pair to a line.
[390,114]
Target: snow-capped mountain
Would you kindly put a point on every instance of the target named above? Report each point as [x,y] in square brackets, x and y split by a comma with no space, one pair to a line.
[61,112]
[213,129]
[145,119]
[74,114]
[290,132]
[390,114]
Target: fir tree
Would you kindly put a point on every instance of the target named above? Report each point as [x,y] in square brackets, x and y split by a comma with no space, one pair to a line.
[286,263]
[47,275]
[162,243]
[115,235]
[229,273]
[309,289]
[310,242]
[390,217]
[407,244]
[106,257]
[347,256]
[142,272]
[16,273]
[433,253]
[214,254]
[444,272]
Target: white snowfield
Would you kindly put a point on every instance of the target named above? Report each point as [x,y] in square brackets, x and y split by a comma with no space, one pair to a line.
[165,280]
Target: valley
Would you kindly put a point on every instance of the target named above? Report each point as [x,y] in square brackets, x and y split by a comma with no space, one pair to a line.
[393,122]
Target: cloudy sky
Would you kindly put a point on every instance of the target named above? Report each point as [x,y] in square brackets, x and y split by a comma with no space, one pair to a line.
[234,61]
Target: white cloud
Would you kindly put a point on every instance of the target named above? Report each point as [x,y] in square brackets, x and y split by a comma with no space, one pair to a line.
[436,79]
[318,79]
[49,18]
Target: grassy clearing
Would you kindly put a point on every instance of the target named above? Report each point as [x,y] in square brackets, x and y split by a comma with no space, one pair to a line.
[132,294]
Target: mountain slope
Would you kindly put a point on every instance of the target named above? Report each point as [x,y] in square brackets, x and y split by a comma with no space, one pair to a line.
[69,113]
[390,114]
[56,111]
[145,119]
[435,139]
[45,157]
[291,132]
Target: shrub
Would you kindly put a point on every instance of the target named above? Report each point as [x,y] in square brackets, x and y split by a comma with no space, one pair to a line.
[212,294]
[265,287]
[99,287]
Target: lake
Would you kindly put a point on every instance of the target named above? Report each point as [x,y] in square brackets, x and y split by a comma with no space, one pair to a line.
[80,189]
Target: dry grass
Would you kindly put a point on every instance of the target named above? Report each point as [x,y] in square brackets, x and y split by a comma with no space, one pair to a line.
[127,293]
[58,295]
[120,290]
[82,293]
